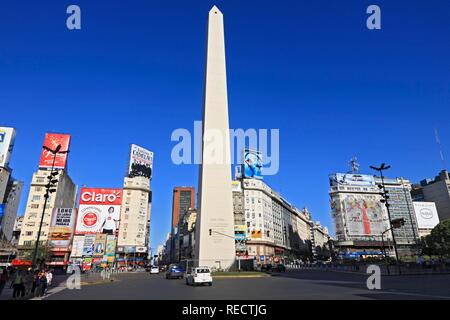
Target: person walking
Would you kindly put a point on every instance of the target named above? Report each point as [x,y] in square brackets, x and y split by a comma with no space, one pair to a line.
[29,280]
[49,278]
[43,284]
[3,279]
[36,283]
[18,285]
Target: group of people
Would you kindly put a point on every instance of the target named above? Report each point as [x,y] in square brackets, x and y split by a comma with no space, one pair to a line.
[27,284]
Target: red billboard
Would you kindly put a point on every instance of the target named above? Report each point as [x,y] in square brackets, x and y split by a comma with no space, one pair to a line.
[99,211]
[52,140]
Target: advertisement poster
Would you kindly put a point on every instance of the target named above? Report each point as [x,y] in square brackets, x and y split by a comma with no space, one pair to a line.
[88,245]
[336,215]
[352,179]
[363,215]
[110,245]
[52,140]
[252,164]
[426,215]
[99,245]
[77,246]
[61,227]
[99,211]
[7,136]
[141,162]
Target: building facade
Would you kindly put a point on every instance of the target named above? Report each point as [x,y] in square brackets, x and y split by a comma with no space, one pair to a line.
[135,216]
[435,190]
[10,207]
[63,197]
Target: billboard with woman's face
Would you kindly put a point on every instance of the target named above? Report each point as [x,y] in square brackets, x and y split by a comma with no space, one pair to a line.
[252,164]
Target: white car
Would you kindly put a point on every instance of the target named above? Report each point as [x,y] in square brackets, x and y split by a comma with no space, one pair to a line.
[154,270]
[199,275]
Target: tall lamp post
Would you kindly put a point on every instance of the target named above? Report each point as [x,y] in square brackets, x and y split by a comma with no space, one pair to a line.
[49,188]
[385,196]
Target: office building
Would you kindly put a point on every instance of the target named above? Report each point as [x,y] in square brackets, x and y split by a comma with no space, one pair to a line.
[10,206]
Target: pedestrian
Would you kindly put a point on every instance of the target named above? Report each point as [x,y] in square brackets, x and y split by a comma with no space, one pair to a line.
[3,279]
[18,285]
[36,283]
[43,284]
[29,279]
[49,278]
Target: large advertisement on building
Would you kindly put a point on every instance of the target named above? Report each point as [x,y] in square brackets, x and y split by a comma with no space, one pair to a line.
[77,246]
[7,136]
[99,245]
[88,245]
[352,179]
[2,212]
[252,164]
[99,211]
[141,162]
[426,215]
[61,227]
[51,141]
[363,215]
[336,215]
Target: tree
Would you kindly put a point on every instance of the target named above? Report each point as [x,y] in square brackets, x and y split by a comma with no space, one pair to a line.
[438,241]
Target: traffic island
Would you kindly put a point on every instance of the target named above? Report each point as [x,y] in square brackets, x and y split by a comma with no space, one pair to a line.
[244,274]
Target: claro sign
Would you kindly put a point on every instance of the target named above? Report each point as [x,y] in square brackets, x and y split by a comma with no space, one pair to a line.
[99,211]
[101,196]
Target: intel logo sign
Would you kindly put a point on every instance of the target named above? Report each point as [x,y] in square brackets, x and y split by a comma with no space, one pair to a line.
[426,213]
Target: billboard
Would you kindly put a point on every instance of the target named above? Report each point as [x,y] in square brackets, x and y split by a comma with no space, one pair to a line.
[110,249]
[2,212]
[363,215]
[426,215]
[99,245]
[51,141]
[88,245]
[99,211]
[252,164]
[352,179]
[141,162]
[7,136]
[77,246]
[61,227]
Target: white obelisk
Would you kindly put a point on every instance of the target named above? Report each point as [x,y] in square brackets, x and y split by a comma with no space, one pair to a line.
[214,238]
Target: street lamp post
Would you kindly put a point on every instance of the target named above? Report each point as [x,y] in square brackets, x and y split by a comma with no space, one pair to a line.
[386,202]
[49,188]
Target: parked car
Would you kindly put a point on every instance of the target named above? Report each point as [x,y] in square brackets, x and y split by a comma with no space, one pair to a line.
[154,270]
[199,276]
[174,271]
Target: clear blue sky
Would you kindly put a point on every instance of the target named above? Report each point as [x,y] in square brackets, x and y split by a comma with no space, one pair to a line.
[134,73]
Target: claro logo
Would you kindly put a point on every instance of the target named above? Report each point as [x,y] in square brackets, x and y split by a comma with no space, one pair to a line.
[92,196]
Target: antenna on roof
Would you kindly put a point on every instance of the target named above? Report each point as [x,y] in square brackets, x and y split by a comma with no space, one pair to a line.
[354,165]
[438,142]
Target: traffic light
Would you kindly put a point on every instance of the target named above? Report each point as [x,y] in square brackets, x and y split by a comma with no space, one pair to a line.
[210,232]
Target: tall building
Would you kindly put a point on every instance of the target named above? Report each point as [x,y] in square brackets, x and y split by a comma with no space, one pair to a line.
[401,207]
[10,207]
[359,218]
[16,230]
[63,196]
[214,241]
[275,229]
[134,228]
[183,199]
[435,190]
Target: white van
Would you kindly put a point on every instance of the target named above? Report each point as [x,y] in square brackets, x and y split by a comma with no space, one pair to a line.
[199,275]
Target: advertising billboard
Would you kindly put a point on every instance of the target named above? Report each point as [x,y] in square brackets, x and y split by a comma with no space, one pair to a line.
[51,141]
[352,179]
[426,215]
[7,136]
[88,245]
[99,245]
[110,250]
[61,227]
[99,211]
[363,215]
[252,164]
[141,162]
[77,246]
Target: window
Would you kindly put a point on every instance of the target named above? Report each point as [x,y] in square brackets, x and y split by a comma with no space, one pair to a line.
[27,243]
[34,206]
[29,233]
[36,198]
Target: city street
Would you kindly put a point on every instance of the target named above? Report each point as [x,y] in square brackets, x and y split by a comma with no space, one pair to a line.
[293,285]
